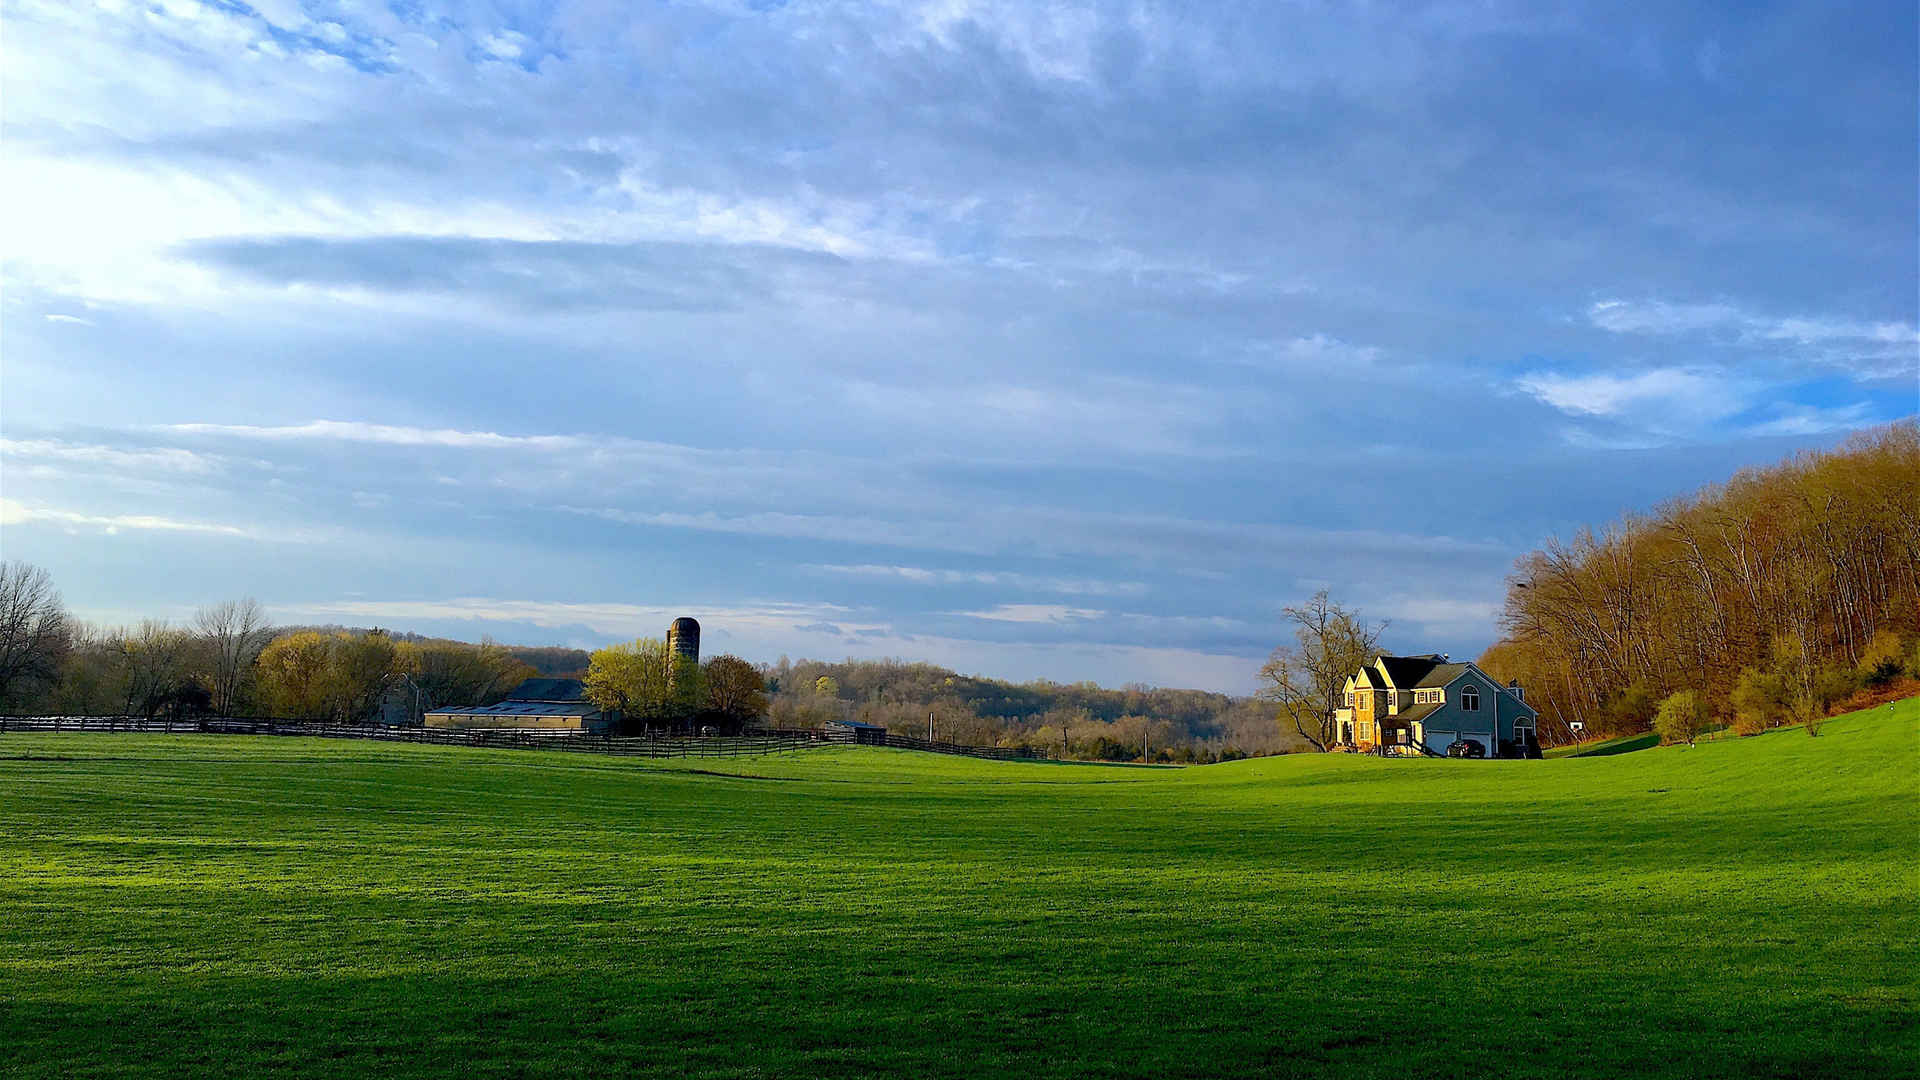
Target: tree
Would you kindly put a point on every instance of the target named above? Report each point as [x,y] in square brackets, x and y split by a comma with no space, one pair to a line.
[635,678]
[294,675]
[735,689]
[1306,679]
[826,686]
[1682,717]
[1760,701]
[155,658]
[232,633]
[456,673]
[35,631]
[337,676]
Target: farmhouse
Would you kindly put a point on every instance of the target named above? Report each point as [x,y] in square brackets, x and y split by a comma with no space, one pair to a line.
[537,705]
[1424,704]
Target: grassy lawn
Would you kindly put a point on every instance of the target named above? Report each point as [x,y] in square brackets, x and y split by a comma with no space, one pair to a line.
[197,906]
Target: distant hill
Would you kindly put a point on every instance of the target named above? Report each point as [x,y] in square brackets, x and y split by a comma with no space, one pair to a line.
[1083,719]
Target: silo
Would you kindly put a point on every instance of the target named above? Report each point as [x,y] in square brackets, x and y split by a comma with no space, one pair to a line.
[683,638]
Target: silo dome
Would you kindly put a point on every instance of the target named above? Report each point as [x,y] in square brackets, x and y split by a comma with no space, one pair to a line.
[683,637]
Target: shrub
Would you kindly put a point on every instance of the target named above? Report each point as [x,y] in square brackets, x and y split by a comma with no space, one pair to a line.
[1682,717]
[1882,659]
[1808,712]
[1630,710]
[1831,684]
[1759,701]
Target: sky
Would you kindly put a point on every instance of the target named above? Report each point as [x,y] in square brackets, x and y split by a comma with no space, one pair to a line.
[1037,340]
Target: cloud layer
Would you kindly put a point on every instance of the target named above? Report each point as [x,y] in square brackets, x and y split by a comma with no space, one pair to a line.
[980,331]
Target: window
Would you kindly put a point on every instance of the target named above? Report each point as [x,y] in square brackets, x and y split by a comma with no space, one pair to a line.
[1349,699]
[1470,698]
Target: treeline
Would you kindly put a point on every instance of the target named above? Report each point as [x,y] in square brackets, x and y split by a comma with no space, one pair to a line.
[652,686]
[1077,720]
[228,660]
[1770,599]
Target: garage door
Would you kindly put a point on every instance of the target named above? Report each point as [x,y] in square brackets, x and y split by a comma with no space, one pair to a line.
[1438,741]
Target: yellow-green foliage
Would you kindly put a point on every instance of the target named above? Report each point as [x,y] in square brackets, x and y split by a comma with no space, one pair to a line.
[1682,717]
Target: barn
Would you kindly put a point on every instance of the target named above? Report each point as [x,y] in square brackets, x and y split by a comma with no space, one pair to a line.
[580,716]
[857,732]
[535,705]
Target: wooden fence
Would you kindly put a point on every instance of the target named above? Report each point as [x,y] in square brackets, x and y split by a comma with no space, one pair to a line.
[992,753]
[768,741]
[622,746]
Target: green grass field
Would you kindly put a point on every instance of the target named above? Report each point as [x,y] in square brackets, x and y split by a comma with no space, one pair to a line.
[196,906]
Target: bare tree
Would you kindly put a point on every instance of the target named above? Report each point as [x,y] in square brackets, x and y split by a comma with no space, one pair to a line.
[1307,677]
[155,658]
[35,631]
[233,633]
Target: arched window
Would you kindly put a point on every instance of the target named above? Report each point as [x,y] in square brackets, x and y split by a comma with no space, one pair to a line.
[1469,698]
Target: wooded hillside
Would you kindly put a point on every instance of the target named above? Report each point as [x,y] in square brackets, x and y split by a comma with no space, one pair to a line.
[1070,719]
[1774,595]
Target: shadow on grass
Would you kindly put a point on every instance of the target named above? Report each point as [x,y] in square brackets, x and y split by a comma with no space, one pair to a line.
[1622,746]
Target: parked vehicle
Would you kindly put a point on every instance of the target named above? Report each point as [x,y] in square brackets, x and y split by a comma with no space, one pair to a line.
[1467,748]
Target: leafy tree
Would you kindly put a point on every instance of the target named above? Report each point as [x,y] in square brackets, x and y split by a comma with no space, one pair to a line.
[640,679]
[338,676]
[735,689]
[457,673]
[1759,700]
[295,674]
[1682,717]
[827,686]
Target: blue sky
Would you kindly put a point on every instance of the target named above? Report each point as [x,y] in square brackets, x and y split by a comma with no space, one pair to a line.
[1037,340]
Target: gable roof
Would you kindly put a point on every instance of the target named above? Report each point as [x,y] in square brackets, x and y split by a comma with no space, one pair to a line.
[1442,674]
[1405,671]
[1416,712]
[522,708]
[549,690]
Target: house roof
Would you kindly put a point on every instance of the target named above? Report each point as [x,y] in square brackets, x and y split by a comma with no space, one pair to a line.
[1441,675]
[1404,671]
[522,708]
[1415,712]
[549,690]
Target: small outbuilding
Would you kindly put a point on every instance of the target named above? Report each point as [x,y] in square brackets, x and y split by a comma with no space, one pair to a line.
[858,732]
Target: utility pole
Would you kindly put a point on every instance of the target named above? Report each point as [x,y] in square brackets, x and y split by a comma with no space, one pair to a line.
[929,726]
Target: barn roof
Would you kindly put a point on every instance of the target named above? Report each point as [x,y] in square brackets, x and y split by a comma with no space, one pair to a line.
[856,724]
[522,708]
[549,690]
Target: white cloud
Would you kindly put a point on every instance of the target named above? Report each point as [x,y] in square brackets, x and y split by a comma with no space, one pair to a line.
[1867,349]
[1812,420]
[159,458]
[1660,392]
[17,513]
[917,575]
[1034,613]
[387,434]
[74,320]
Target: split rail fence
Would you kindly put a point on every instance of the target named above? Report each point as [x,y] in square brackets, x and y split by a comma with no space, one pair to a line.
[770,741]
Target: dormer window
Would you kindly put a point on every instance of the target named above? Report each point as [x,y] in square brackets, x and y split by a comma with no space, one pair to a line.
[1470,698]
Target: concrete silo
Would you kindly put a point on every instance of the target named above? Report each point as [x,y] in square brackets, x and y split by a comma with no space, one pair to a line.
[683,639]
